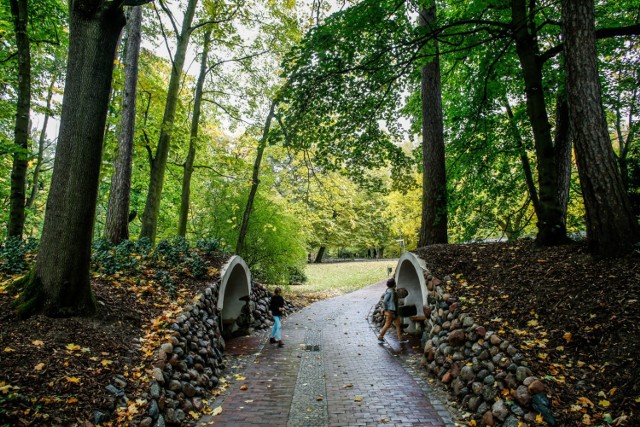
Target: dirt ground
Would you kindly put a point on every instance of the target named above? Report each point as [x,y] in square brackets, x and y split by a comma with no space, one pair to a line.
[577,319]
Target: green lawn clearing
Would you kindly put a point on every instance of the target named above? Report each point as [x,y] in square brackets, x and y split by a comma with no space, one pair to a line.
[329,280]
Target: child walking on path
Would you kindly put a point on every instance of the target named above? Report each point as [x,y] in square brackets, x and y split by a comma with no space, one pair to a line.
[277,310]
[390,305]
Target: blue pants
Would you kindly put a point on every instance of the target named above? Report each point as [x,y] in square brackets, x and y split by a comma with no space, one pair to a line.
[277,327]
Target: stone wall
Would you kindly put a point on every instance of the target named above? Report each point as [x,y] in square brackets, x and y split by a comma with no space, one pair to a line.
[487,374]
[189,364]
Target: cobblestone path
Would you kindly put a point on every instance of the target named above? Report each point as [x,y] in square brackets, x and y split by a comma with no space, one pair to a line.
[331,372]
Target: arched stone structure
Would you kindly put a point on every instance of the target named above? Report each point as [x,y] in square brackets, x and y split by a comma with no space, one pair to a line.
[234,293]
[410,275]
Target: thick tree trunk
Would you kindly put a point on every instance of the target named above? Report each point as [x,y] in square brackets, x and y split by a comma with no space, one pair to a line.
[611,226]
[319,256]
[195,122]
[15,228]
[433,228]
[59,286]
[551,229]
[35,185]
[159,165]
[117,224]
[562,146]
[255,180]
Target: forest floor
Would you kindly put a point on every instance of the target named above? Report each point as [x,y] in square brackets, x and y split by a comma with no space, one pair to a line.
[576,318]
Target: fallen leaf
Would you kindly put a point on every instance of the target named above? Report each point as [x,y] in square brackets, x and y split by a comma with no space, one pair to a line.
[217,411]
[568,337]
[73,347]
[244,387]
[347,385]
[358,399]
[37,342]
[8,350]
[604,403]
[106,362]
[74,380]
[72,400]
[319,398]
[39,367]
[194,414]
[584,401]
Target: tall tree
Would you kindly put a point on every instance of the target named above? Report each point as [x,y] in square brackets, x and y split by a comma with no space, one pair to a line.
[433,228]
[611,226]
[59,285]
[35,180]
[159,162]
[195,123]
[19,12]
[551,228]
[117,226]
[255,179]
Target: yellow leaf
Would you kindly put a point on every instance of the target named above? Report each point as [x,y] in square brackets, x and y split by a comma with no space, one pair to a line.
[39,367]
[539,419]
[217,411]
[74,380]
[240,377]
[580,364]
[37,342]
[72,400]
[106,362]
[560,348]
[473,423]
[194,414]
[586,420]
[532,323]
[73,347]
[568,337]
[358,399]
[8,350]
[585,401]
[637,400]
[604,403]
[613,391]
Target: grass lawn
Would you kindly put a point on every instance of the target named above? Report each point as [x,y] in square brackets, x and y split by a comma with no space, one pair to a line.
[329,280]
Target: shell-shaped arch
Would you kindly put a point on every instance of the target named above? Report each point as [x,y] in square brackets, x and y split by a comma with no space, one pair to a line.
[234,291]
[410,274]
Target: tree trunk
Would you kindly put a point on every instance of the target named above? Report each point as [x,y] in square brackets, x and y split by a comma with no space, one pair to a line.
[15,228]
[159,165]
[195,122]
[611,226]
[117,223]
[59,286]
[255,180]
[562,146]
[551,229]
[433,228]
[35,186]
[318,259]
[524,159]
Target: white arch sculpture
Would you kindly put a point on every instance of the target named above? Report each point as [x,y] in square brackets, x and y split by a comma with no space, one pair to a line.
[236,284]
[410,274]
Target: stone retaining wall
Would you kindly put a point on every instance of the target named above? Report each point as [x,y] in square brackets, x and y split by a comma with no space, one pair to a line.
[189,364]
[480,369]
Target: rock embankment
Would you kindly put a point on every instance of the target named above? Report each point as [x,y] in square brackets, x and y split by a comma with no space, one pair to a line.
[190,363]
[480,369]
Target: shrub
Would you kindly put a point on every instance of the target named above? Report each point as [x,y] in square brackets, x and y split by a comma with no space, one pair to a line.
[16,255]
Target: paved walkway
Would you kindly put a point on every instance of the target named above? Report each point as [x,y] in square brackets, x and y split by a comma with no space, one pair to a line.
[331,372]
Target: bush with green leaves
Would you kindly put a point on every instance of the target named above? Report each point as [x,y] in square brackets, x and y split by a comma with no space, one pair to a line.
[14,254]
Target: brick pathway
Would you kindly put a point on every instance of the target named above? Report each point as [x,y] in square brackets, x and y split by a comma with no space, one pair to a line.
[331,372]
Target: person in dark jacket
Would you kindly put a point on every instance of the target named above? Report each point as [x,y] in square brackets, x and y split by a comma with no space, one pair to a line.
[390,306]
[277,310]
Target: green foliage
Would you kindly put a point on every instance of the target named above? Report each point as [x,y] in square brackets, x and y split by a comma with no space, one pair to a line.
[16,255]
